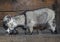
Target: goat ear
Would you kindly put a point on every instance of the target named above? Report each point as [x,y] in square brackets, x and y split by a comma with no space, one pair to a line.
[6,17]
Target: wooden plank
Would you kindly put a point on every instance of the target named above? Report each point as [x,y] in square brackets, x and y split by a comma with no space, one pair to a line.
[24,4]
[30,38]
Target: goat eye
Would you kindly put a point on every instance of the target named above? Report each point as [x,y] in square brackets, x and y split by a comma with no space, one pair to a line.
[9,20]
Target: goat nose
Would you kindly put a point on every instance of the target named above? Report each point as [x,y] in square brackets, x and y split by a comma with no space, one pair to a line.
[10,32]
[7,32]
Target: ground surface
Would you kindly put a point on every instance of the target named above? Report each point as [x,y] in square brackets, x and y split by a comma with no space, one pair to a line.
[30,38]
[44,36]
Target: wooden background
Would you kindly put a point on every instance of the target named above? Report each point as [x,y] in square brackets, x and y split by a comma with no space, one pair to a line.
[14,7]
